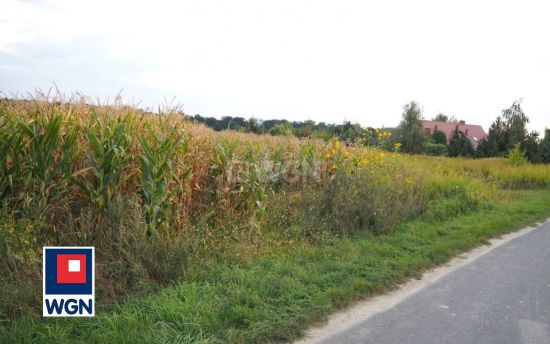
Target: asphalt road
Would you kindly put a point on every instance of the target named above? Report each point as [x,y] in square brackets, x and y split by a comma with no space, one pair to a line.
[501,297]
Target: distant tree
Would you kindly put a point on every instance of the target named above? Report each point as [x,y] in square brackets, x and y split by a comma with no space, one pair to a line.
[516,124]
[213,123]
[254,126]
[282,129]
[411,132]
[226,123]
[271,123]
[348,131]
[304,129]
[444,118]
[530,146]
[498,138]
[439,137]
[441,117]
[321,125]
[544,148]
[460,145]
[509,130]
[485,149]
[234,123]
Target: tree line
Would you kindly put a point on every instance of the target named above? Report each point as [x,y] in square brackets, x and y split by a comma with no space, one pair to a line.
[507,133]
[305,129]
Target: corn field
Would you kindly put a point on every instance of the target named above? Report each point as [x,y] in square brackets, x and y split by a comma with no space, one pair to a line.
[153,192]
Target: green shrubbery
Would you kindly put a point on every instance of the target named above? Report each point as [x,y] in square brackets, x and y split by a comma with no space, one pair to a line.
[361,202]
[516,157]
[435,149]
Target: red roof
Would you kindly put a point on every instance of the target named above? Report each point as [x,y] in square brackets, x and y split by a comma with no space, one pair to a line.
[473,132]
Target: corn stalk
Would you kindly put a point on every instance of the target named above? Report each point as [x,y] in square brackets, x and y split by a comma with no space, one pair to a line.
[158,160]
[107,160]
[48,157]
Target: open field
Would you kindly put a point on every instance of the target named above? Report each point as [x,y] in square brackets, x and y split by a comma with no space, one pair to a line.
[228,237]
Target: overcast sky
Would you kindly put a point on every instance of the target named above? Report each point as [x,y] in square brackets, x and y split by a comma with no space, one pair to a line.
[322,60]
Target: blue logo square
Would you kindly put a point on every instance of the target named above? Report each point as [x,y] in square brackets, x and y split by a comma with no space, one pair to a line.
[51,285]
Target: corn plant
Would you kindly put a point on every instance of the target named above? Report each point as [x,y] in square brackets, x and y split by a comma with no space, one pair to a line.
[107,160]
[48,157]
[223,159]
[255,183]
[158,160]
[308,161]
[11,144]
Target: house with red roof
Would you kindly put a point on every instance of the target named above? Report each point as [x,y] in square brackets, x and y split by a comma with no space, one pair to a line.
[472,131]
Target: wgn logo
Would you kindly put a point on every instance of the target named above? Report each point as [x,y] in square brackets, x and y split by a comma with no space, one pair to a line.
[68,287]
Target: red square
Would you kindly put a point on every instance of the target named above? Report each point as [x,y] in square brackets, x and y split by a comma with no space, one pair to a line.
[64,275]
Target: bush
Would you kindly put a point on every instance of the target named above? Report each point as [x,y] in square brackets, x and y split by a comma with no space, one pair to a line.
[439,136]
[362,202]
[283,129]
[446,208]
[435,149]
[516,157]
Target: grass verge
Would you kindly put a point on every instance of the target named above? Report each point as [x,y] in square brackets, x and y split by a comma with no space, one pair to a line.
[276,298]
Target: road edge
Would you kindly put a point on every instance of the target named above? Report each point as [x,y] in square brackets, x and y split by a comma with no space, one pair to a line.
[365,309]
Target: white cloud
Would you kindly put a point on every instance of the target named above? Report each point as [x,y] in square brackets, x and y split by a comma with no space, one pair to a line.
[324,60]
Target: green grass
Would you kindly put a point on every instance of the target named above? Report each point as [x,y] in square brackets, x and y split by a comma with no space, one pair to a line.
[276,298]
